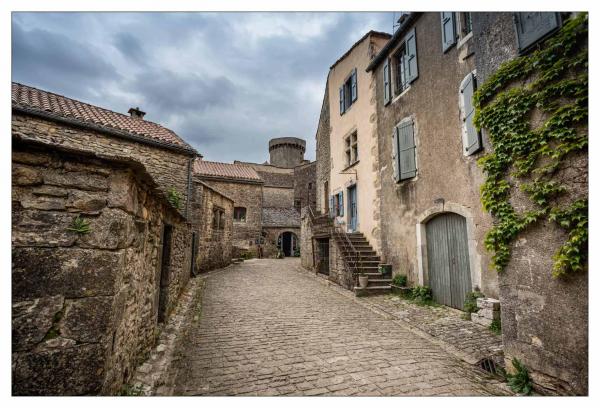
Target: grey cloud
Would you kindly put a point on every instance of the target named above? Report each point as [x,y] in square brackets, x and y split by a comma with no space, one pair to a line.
[130,47]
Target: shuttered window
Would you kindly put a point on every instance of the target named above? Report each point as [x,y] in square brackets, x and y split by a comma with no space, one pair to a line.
[331,207]
[448,29]
[341,204]
[471,137]
[386,82]
[534,26]
[348,92]
[395,166]
[342,104]
[406,166]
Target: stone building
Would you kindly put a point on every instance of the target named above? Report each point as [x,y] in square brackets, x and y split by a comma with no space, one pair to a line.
[428,157]
[268,197]
[544,319]
[105,200]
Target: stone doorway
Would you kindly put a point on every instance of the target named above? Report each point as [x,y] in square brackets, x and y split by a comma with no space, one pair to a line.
[287,243]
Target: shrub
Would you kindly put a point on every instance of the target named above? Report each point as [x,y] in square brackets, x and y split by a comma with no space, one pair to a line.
[174,198]
[400,280]
[519,382]
[80,226]
[470,305]
[496,326]
[422,294]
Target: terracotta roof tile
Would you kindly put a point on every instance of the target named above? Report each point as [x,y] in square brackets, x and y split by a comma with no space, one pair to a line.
[38,100]
[225,170]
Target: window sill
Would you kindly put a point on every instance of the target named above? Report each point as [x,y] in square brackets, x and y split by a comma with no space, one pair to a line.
[239,221]
[350,166]
[464,40]
[397,97]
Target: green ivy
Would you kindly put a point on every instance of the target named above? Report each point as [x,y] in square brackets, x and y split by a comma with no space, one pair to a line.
[552,80]
[174,197]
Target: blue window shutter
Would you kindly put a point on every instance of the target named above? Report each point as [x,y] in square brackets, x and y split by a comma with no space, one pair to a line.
[412,68]
[533,26]
[448,30]
[341,203]
[406,150]
[354,85]
[386,82]
[471,137]
[395,156]
[331,209]
[342,107]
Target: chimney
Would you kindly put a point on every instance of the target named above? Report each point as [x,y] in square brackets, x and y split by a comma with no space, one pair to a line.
[136,113]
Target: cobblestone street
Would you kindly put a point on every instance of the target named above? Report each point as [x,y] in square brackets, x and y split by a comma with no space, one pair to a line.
[268,328]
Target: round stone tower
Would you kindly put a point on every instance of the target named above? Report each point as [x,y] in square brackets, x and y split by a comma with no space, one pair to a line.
[286,152]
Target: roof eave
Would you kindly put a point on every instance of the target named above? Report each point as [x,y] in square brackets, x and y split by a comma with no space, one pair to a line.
[104,129]
[392,41]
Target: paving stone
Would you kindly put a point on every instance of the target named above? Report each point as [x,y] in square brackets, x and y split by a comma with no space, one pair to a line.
[269,328]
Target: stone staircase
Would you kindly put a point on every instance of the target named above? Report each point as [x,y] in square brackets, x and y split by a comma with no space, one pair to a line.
[368,263]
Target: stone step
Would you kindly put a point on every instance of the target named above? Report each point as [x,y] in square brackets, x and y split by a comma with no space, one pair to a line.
[379,282]
[372,290]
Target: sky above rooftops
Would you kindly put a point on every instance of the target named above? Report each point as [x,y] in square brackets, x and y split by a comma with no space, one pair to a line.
[224,82]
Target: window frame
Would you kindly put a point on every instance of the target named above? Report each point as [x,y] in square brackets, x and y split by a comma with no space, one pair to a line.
[351,148]
[240,219]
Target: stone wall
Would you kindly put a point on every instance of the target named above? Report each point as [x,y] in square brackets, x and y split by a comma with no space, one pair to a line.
[544,320]
[170,169]
[278,197]
[323,166]
[446,180]
[85,306]
[250,196]
[306,244]
[270,235]
[338,273]
[214,246]
[305,185]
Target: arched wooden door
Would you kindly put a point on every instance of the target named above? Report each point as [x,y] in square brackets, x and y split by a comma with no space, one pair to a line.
[448,259]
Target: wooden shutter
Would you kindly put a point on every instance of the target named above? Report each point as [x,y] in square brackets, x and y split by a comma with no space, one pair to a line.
[387,90]
[342,105]
[395,156]
[448,30]
[354,86]
[341,203]
[331,207]
[412,70]
[532,27]
[471,137]
[406,150]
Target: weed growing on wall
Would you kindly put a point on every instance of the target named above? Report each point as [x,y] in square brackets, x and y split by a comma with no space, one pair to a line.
[554,82]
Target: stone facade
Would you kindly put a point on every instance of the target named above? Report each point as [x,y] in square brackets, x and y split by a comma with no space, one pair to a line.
[323,165]
[446,180]
[544,320]
[287,152]
[171,169]
[213,244]
[245,234]
[88,314]
[305,186]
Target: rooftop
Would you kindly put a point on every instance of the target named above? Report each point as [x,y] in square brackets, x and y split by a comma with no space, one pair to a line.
[225,170]
[54,106]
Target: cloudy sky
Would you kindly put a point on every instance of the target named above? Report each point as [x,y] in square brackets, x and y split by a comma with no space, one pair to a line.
[225,82]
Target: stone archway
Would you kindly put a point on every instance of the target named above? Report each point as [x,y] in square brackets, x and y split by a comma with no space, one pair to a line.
[287,242]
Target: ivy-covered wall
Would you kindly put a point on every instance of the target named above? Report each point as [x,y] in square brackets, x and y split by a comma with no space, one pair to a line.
[533,110]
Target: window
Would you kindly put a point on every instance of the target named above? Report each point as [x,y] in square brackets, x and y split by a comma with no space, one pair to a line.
[351,149]
[218,221]
[239,214]
[466,24]
[298,204]
[348,92]
[402,67]
[336,202]
[533,27]
[404,151]
[400,83]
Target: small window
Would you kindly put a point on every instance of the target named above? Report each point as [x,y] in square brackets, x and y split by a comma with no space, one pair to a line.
[401,80]
[351,149]
[348,92]
[239,214]
[466,24]
[298,204]
[218,221]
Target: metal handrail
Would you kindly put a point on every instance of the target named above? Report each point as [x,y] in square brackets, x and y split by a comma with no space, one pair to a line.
[355,268]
